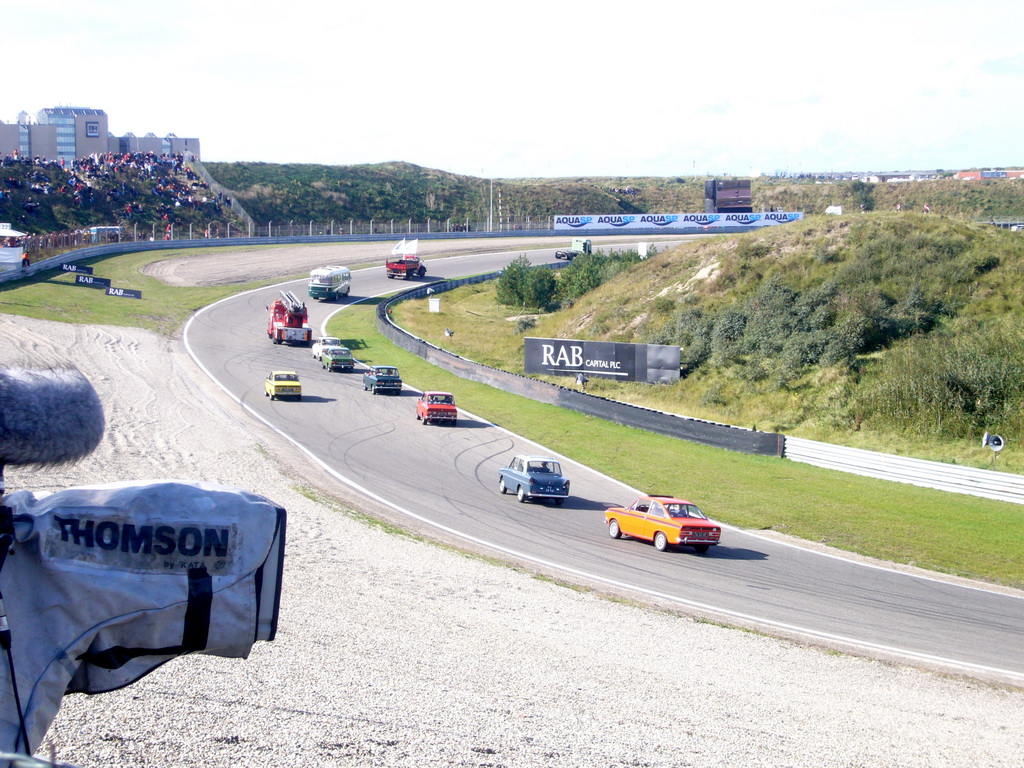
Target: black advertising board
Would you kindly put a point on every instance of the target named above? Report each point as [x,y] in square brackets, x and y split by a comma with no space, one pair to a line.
[124,293]
[650,363]
[77,268]
[92,282]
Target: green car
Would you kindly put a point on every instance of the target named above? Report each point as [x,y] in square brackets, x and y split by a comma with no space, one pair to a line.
[337,359]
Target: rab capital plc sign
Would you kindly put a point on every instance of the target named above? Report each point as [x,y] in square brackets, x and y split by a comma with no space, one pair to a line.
[650,363]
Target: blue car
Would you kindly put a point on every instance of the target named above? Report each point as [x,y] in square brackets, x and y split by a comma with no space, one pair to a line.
[534,477]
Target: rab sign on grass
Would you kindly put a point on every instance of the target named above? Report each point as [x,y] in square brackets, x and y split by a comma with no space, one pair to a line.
[650,363]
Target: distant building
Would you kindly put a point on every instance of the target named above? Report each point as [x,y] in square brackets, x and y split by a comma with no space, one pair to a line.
[976,175]
[899,176]
[67,133]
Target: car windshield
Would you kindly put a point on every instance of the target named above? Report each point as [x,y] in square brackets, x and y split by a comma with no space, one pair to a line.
[549,467]
[329,341]
[441,399]
[286,377]
[684,510]
[335,351]
[387,371]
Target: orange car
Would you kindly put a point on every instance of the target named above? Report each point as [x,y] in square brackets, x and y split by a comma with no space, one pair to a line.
[665,520]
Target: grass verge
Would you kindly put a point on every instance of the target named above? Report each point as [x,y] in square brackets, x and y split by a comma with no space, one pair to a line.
[53,295]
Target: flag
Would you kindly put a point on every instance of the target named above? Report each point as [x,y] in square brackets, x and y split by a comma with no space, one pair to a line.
[410,249]
[398,250]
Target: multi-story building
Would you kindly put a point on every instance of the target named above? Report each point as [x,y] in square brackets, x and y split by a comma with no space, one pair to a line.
[66,133]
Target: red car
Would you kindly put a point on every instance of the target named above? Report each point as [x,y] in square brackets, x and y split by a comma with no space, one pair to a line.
[437,407]
[665,520]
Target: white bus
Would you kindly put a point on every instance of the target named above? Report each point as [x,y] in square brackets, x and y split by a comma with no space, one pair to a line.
[105,234]
[329,283]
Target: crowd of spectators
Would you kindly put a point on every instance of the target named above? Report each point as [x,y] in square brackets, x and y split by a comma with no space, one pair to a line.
[109,188]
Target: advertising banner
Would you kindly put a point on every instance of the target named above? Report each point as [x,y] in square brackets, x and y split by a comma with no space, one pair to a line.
[92,282]
[676,222]
[650,363]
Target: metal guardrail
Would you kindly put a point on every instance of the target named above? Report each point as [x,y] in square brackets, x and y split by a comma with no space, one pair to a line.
[989,484]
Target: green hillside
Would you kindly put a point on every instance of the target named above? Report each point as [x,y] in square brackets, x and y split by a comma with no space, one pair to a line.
[147,194]
[402,191]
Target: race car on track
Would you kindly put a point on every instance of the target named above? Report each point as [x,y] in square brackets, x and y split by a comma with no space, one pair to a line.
[665,520]
[282,384]
[319,345]
[437,408]
[534,477]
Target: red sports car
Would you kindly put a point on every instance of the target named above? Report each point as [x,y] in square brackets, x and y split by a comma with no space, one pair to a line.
[665,520]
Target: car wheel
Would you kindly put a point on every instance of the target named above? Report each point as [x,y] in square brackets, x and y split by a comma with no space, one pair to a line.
[660,541]
[265,393]
[521,495]
[373,389]
[425,422]
[613,529]
[273,397]
[701,548]
[501,485]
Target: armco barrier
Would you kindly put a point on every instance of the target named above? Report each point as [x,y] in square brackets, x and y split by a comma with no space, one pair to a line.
[988,484]
[694,430]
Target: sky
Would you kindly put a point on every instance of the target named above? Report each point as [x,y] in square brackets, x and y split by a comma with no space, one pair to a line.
[542,89]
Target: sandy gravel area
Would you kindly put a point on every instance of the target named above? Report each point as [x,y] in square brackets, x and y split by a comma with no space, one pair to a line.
[394,651]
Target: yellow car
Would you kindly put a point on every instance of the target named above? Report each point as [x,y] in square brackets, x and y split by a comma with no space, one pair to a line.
[283,384]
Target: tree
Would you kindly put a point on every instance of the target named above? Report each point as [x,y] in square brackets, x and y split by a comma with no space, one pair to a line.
[582,275]
[511,286]
[541,287]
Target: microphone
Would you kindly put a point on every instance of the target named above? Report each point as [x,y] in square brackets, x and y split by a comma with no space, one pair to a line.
[48,416]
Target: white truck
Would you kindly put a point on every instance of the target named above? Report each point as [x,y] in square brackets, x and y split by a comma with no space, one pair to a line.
[580,245]
[329,283]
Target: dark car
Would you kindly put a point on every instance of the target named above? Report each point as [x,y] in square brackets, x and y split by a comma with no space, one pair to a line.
[382,378]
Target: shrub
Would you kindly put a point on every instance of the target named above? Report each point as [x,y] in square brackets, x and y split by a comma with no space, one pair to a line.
[953,386]
[540,288]
[510,288]
[663,305]
[524,324]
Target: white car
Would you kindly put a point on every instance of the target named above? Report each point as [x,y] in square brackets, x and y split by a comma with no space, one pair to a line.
[321,344]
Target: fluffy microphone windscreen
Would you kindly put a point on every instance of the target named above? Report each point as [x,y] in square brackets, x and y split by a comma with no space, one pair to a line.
[47,416]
